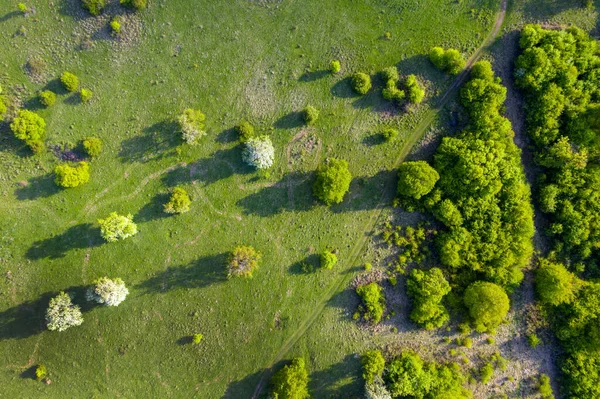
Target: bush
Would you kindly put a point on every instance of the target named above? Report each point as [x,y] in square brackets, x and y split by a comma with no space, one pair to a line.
[136,4]
[191,124]
[361,83]
[488,305]
[450,60]
[415,92]
[373,365]
[69,81]
[486,373]
[108,292]
[197,338]
[533,340]
[259,152]
[583,371]
[47,98]
[95,7]
[85,95]
[544,387]
[427,290]
[390,73]
[117,227]
[62,314]
[436,56]
[92,146]
[115,25]
[22,7]
[554,284]
[377,390]
[310,114]
[389,133]
[29,127]
[41,372]
[374,301]
[243,261]
[3,108]
[179,202]
[332,182]
[291,382]
[416,179]
[328,259]
[392,92]
[335,66]
[37,147]
[68,176]
[245,131]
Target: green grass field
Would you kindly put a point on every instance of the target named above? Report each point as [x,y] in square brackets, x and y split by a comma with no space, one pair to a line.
[259,60]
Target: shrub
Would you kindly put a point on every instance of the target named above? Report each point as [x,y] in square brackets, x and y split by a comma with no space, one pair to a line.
[361,83]
[243,261]
[335,66]
[68,176]
[416,179]
[486,373]
[427,290]
[117,227]
[332,182]
[533,340]
[436,56]
[377,390]
[29,127]
[259,152]
[197,338]
[291,382]
[467,342]
[136,4]
[415,92]
[108,292]
[544,387]
[115,25]
[179,202]
[328,259]
[69,81]
[392,92]
[95,7]
[85,95]
[390,73]
[47,98]
[37,147]
[368,267]
[554,284]
[245,131]
[310,114]
[62,314]
[191,124]
[22,7]
[41,372]
[450,60]
[374,301]
[488,305]
[389,133]
[583,371]
[373,365]
[92,146]
[3,108]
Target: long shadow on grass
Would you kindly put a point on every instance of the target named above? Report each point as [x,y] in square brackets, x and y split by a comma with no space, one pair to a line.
[77,237]
[221,165]
[290,121]
[245,387]
[28,318]
[56,86]
[343,89]
[153,210]
[418,65]
[156,142]
[340,380]
[9,143]
[314,75]
[203,272]
[37,187]
[292,193]
[10,15]
[365,192]
[307,265]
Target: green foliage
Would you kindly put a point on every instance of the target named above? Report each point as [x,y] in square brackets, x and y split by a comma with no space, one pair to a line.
[68,176]
[245,131]
[3,107]
[242,262]
[92,146]
[450,61]
[47,98]
[62,314]
[310,114]
[488,305]
[333,181]
[259,152]
[533,340]
[486,373]
[436,56]
[197,338]
[29,127]
[179,202]
[373,300]
[328,259]
[389,133]
[391,91]
[368,267]
[578,323]
[117,227]
[390,73]
[107,291]
[583,370]
[41,372]
[373,365]
[427,290]
[416,179]
[135,4]
[544,387]
[95,7]
[85,95]
[335,66]
[361,83]
[291,382]
[69,81]
[22,7]
[416,94]
[115,25]
[554,284]
[410,243]
[191,124]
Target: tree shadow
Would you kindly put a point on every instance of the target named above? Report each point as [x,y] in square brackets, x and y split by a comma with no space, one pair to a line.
[313,75]
[9,143]
[290,121]
[245,387]
[367,192]
[154,210]
[374,139]
[38,187]
[73,99]
[76,237]
[221,165]
[188,339]
[292,193]
[10,15]
[74,9]
[227,136]
[419,64]
[56,86]
[202,272]
[29,374]
[33,104]
[343,89]
[339,380]
[156,142]
[308,265]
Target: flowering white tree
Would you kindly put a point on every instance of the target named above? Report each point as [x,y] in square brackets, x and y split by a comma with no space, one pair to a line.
[106,291]
[62,314]
[117,227]
[259,152]
[377,390]
[191,123]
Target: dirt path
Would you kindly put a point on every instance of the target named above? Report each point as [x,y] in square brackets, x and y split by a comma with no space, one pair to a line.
[414,138]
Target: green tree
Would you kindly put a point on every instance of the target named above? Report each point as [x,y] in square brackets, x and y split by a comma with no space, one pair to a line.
[373,300]
[70,81]
[68,176]
[179,202]
[117,227]
[488,305]
[92,146]
[373,365]
[191,124]
[427,290]
[554,284]
[328,259]
[47,98]
[245,131]
[62,314]
[243,261]
[333,181]
[416,179]
[361,83]
[310,114]
[291,382]
[29,127]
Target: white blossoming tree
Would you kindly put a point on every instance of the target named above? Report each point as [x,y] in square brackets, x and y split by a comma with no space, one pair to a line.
[117,227]
[259,152]
[377,390]
[62,314]
[191,123]
[108,292]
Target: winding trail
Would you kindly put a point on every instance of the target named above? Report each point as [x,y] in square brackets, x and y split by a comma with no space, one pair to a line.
[343,280]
